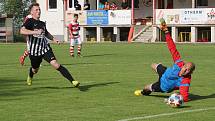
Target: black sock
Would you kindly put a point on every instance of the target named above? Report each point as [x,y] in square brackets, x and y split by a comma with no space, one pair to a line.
[31,74]
[65,73]
[146,92]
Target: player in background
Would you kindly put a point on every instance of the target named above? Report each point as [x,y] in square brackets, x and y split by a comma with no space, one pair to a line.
[74,36]
[25,54]
[172,78]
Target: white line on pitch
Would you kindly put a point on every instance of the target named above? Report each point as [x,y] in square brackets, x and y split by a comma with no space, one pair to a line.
[166,114]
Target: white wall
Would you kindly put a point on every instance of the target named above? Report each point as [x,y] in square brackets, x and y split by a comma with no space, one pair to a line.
[54,18]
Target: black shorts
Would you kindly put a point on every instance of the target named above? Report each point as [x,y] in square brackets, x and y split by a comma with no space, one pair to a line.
[160,70]
[37,60]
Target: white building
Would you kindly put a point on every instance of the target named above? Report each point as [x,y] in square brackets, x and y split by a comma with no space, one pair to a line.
[6,28]
[96,25]
[189,20]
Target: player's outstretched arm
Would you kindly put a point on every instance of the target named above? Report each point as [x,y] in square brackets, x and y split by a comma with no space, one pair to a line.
[171,45]
[184,91]
[49,36]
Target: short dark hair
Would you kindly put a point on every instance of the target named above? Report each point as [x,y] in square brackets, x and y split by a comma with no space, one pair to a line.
[192,68]
[75,15]
[32,5]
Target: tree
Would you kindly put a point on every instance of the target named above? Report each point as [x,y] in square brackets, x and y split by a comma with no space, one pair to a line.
[17,8]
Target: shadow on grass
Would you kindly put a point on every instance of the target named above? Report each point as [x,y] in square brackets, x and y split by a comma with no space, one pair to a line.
[65,64]
[160,96]
[11,89]
[9,82]
[68,64]
[84,87]
[98,55]
[87,87]
[195,97]
[184,106]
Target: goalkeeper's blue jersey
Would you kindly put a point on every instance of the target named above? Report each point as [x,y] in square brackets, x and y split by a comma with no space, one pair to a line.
[170,78]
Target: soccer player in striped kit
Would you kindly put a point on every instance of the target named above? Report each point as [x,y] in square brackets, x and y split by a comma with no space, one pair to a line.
[177,77]
[25,54]
[39,48]
[74,36]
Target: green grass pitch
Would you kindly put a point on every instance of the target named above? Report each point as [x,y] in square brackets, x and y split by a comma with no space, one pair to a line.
[109,74]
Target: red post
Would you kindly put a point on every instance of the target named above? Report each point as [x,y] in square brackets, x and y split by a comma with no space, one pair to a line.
[154,12]
[132,12]
[65,4]
[130,34]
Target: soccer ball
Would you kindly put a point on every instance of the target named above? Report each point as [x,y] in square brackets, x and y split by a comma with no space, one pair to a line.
[175,100]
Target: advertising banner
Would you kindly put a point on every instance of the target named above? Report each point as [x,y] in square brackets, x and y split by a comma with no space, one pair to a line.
[210,16]
[193,16]
[97,17]
[186,16]
[119,17]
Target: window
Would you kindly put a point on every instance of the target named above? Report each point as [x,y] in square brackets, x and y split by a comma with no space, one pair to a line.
[2,22]
[70,3]
[2,37]
[202,2]
[52,4]
[161,4]
[136,3]
[169,4]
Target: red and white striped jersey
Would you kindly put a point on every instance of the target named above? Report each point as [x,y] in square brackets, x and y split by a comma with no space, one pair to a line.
[74,29]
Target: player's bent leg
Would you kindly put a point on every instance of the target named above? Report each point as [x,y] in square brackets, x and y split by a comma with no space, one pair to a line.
[79,47]
[79,50]
[22,58]
[35,64]
[147,90]
[76,83]
[138,92]
[64,72]
[71,51]
[154,66]
[29,81]
[35,70]
[71,48]
[55,64]
[30,76]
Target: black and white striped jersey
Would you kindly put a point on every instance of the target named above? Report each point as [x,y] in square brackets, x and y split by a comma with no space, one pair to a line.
[38,44]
